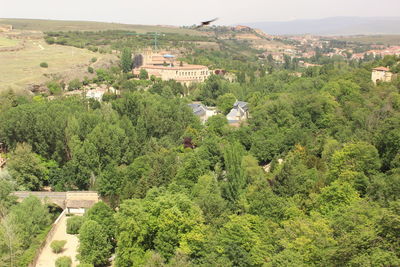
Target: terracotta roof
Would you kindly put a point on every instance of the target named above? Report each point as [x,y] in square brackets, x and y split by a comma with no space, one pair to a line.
[381,69]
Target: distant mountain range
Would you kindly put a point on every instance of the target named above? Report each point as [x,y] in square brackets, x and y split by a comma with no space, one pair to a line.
[331,26]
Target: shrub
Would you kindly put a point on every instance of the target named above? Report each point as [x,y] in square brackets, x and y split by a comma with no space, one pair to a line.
[94,59]
[143,75]
[54,87]
[90,69]
[44,65]
[64,262]
[93,48]
[58,245]
[75,84]
[74,224]
[49,40]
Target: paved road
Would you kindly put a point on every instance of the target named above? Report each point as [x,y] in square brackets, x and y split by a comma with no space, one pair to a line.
[47,258]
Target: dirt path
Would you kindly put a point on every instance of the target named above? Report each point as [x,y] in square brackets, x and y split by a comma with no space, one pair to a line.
[47,258]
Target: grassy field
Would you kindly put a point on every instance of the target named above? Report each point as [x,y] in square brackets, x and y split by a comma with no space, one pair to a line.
[5,42]
[60,25]
[373,39]
[21,68]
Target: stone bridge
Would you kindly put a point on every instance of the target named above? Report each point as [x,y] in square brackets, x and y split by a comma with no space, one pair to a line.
[71,200]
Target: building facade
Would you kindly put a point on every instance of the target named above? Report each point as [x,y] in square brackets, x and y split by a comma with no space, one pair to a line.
[381,74]
[166,67]
[238,114]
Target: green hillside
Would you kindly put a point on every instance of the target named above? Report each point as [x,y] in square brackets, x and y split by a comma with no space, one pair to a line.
[63,25]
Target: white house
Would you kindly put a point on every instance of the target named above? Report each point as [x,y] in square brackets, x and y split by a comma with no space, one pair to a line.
[238,114]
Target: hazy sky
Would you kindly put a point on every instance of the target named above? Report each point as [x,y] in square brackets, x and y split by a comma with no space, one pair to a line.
[188,12]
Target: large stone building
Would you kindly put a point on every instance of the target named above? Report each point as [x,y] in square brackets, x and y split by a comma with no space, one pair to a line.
[166,67]
[381,74]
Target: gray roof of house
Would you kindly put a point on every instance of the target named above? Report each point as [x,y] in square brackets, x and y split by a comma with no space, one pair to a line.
[242,104]
[198,109]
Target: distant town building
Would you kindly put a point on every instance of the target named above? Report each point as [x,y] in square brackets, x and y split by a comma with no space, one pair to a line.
[381,74]
[308,65]
[238,114]
[203,112]
[241,28]
[166,67]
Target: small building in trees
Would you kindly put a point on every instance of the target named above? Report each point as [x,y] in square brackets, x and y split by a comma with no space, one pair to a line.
[203,112]
[95,94]
[78,202]
[381,74]
[239,113]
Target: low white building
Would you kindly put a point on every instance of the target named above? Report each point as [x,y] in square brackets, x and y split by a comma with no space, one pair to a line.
[96,94]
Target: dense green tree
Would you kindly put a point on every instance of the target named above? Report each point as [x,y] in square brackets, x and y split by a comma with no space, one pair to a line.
[294,176]
[207,195]
[26,168]
[30,218]
[7,185]
[192,167]
[104,216]
[235,177]
[308,241]
[246,240]
[126,60]
[225,102]
[162,220]
[109,183]
[94,246]
[74,224]
[143,75]
[357,157]
[335,196]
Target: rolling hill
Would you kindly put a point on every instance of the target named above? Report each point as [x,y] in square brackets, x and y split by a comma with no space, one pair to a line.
[65,25]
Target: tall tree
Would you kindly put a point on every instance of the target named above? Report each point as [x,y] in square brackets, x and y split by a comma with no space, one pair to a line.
[235,177]
[94,246]
[225,102]
[26,168]
[126,60]
[104,215]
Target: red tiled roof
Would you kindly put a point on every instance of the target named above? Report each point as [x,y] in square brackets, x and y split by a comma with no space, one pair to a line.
[381,69]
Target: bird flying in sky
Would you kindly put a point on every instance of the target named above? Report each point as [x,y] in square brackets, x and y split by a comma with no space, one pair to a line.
[206,23]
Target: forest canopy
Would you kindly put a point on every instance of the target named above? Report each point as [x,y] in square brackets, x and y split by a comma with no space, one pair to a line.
[311,179]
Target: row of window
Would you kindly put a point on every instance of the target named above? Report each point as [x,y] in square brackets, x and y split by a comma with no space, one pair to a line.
[190,73]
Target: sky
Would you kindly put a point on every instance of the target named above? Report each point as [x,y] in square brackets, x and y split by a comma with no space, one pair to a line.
[189,12]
